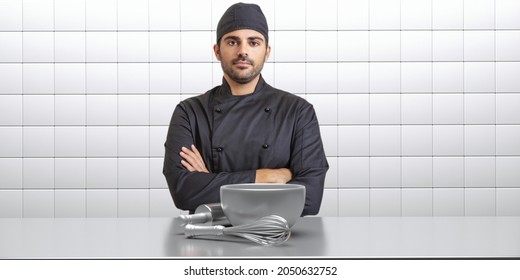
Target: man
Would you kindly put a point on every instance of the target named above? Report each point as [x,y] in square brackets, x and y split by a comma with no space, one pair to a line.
[244,131]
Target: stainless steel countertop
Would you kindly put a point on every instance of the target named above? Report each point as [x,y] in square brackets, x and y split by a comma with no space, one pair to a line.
[331,237]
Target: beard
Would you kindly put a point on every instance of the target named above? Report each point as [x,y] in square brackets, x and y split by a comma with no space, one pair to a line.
[243,76]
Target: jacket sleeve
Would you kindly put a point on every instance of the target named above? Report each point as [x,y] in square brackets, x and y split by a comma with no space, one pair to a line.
[308,161]
[191,189]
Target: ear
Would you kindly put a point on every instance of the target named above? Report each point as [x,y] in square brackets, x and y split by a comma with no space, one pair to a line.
[267,52]
[216,50]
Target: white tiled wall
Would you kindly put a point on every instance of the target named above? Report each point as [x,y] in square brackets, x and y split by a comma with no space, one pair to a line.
[418,101]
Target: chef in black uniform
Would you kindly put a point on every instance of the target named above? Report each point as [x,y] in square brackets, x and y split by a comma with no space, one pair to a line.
[244,131]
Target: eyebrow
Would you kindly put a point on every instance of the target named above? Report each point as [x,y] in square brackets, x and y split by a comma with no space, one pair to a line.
[236,38]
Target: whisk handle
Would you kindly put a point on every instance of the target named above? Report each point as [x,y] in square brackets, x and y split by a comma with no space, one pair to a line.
[192,230]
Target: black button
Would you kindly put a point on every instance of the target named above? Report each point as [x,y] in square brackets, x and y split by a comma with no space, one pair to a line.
[218,110]
[265,146]
[220,149]
[267,110]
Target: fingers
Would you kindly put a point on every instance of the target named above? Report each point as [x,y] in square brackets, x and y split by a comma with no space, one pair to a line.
[192,159]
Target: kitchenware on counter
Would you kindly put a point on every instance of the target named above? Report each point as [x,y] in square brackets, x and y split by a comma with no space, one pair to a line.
[246,203]
[206,213]
[270,230]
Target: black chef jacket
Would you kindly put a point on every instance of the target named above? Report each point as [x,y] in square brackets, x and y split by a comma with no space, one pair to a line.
[236,135]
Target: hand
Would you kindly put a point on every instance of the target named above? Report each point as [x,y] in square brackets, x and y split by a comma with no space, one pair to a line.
[192,160]
[280,175]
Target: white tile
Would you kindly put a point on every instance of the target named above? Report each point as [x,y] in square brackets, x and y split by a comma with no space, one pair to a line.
[316,51]
[165,78]
[417,202]
[286,50]
[267,73]
[385,77]
[101,14]
[10,109]
[448,45]
[133,203]
[479,14]
[70,141]
[385,202]
[385,14]
[354,14]
[322,15]
[479,76]
[70,110]
[480,172]
[38,141]
[479,45]
[479,108]
[38,173]
[353,172]
[101,141]
[353,45]
[38,15]
[287,76]
[101,173]
[38,204]
[448,140]
[506,14]
[506,77]
[353,108]
[157,139]
[196,46]
[290,15]
[133,173]
[11,15]
[164,14]
[448,172]
[331,178]
[157,179]
[479,202]
[448,109]
[385,140]
[416,77]
[322,78]
[506,41]
[507,140]
[329,137]
[101,203]
[448,14]
[70,203]
[132,47]
[203,11]
[448,202]
[353,77]
[38,110]
[353,140]
[416,45]
[101,109]
[102,78]
[161,204]
[69,46]
[416,14]
[11,47]
[196,78]
[132,15]
[385,108]
[507,108]
[133,110]
[10,173]
[133,78]
[507,202]
[133,141]
[353,203]
[448,77]
[10,204]
[329,203]
[417,172]
[479,140]
[416,109]
[101,46]
[165,46]
[417,140]
[385,172]
[11,141]
[38,46]
[385,45]
[12,78]
[161,108]
[70,78]
[38,78]
[326,107]
[69,14]
[69,173]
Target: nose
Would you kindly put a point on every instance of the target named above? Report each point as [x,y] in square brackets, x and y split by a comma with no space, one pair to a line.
[242,50]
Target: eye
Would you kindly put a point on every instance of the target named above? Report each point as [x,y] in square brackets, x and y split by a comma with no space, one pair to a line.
[232,43]
[255,43]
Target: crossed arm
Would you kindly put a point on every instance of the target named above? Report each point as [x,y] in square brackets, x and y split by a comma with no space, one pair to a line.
[193,162]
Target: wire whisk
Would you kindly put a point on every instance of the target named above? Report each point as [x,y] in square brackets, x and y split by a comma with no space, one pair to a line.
[270,230]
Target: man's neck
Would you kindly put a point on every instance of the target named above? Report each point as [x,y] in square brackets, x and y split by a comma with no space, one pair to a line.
[242,89]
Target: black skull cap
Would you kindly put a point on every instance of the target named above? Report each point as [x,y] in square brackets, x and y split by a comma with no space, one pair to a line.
[242,16]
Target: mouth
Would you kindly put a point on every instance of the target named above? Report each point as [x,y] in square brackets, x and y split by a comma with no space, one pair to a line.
[242,62]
